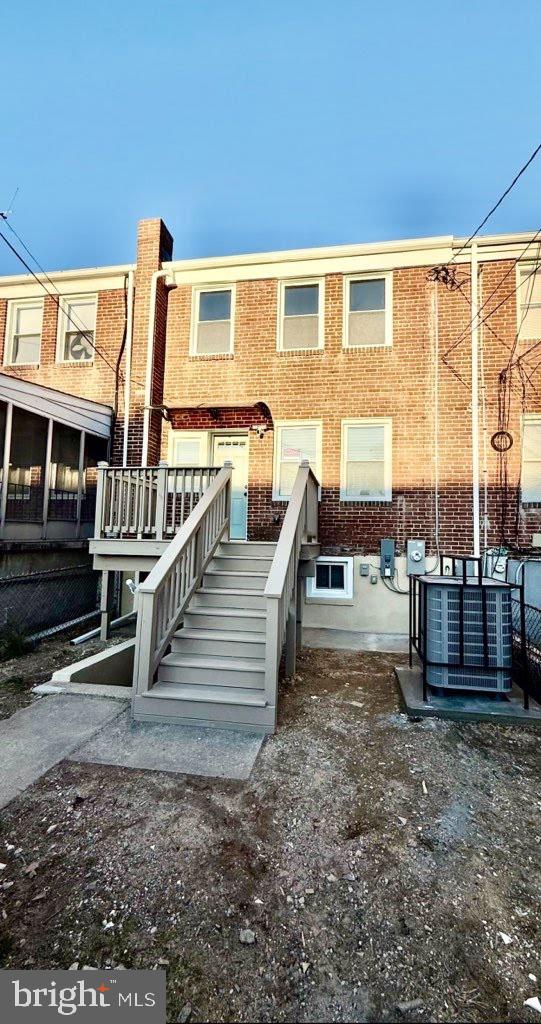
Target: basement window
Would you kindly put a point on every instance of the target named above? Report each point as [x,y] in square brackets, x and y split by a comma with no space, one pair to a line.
[333,580]
[212,322]
[76,329]
[300,318]
[368,314]
[531,459]
[25,321]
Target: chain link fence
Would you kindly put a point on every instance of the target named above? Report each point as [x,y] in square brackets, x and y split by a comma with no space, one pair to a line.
[37,603]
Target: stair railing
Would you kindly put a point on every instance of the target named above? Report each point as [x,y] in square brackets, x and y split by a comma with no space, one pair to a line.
[299,526]
[164,595]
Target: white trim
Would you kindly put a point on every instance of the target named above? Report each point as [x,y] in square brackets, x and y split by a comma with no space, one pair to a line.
[324,594]
[66,282]
[524,266]
[194,318]
[387,277]
[370,421]
[63,324]
[204,445]
[13,306]
[278,426]
[296,283]
[536,499]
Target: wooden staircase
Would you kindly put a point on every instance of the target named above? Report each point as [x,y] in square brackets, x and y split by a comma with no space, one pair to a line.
[215,615]
[215,672]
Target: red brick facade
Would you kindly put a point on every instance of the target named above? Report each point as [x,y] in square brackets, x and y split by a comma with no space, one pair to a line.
[330,385]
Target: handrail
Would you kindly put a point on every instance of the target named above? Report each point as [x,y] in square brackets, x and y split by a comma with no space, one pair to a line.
[300,524]
[147,501]
[163,596]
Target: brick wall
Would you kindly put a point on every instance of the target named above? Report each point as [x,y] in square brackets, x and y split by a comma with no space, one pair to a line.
[335,383]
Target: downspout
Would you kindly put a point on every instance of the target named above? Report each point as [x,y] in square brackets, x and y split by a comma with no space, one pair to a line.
[150,361]
[127,382]
[475,400]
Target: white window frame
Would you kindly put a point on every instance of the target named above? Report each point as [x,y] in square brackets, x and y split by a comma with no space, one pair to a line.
[278,427]
[386,276]
[524,268]
[202,436]
[13,306]
[64,324]
[368,421]
[196,293]
[528,500]
[296,283]
[324,595]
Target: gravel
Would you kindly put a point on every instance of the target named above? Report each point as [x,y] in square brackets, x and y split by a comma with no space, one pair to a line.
[371,896]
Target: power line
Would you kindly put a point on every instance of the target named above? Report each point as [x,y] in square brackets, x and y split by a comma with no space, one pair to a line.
[69,316]
[530,160]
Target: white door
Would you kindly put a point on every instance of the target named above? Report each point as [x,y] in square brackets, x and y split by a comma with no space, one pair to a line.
[234,448]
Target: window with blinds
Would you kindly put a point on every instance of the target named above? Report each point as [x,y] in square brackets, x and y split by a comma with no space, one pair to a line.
[531,459]
[368,312]
[295,443]
[26,319]
[77,328]
[366,460]
[529,303]
[300,324]
[213,333]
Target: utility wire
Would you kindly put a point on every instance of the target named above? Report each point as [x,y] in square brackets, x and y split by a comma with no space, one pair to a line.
[56,299]
[530,160]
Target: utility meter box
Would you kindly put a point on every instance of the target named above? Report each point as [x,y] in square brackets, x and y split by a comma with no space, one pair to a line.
[416,558]
[386,553]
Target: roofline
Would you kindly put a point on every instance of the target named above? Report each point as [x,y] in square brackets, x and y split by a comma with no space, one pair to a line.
[67,275]
[366,249]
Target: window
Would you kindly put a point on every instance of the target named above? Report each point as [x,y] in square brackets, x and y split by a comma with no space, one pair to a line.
[300,319]
[366,473]
[189,448]
[212,322]
[531,459]
[294,442]
[24,332]
[76,329]
[529,303]
[333,580]
[368,313]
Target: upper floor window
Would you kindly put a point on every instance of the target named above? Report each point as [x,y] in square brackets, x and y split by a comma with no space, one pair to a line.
[212,322]
[294,443]
[531,459]
[529,303]
[23,339]
[300,315]
[368,314]
[366,471]
[76,329]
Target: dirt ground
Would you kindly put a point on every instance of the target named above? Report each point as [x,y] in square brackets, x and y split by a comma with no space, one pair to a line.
[378,862]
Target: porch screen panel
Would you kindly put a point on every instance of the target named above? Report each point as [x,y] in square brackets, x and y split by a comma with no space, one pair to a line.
[365,461]
[27,466]
[296,445]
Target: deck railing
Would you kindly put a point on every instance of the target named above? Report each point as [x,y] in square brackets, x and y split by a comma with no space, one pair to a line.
[300,525]
[147,502]
[163,596]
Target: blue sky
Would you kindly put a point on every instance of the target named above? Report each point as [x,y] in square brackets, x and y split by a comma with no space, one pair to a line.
[250,126]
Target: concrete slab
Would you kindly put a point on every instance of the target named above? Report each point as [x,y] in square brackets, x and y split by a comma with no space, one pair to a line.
[350,640]
[463,707]
[85,689]
[185,749]
[38,736]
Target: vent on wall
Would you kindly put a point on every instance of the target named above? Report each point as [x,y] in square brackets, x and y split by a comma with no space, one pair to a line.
[470,631]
